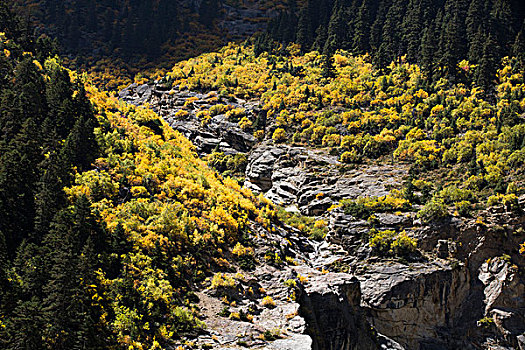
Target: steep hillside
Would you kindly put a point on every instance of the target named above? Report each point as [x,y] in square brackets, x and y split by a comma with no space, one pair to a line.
[257,196]
[109,220]
[414,188]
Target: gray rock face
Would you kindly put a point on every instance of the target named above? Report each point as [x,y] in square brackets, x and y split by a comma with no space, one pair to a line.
[311,179]
[331,307]
[504,297]
[415,304]
[261,165]
[218,133]
[445,249]
[245,21]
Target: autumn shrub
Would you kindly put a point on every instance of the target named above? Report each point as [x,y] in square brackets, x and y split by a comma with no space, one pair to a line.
[244,256]
[390,243]
[179,217]
[319,230]
[404,245]
[182,114]
[435,209]
[268,302]
[234,115]
[463,208]
[245,123]
[331,140]
[279,135]
[273,257]
[350,157]
[318,134]
[222,280]
[259,135]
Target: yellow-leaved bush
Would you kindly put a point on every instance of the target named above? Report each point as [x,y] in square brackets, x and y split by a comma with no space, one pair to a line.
[175,215]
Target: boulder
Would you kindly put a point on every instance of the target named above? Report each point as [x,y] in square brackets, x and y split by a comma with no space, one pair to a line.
[331,307]
[415,304]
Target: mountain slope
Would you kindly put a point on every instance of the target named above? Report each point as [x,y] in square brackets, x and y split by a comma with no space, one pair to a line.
[408,184]
[109,218]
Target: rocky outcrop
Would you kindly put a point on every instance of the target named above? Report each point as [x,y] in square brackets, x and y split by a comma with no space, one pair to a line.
[330,305]
[312,179]
[416,304]
[218,133]
[504,298]
[462,292]
[242,22]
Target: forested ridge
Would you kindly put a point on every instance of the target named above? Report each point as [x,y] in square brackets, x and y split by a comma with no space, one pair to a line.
[436,34]
[108,216]
[116,40]
[149,35]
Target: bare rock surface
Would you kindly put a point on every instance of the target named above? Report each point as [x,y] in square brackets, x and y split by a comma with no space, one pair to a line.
[216,134]
[415,303]
[465,289]
[313,179]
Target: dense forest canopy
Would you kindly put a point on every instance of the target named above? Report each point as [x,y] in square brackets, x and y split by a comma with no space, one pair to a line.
[436,34]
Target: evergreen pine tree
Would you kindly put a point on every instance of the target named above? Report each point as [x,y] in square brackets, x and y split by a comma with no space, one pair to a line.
[518,47]
[50,196]
[486,70]
[338,29]
[362,24]
[391,46]
[24,329]
[428,49]
[418,16]
[70,247]
[18,174]
[376,29]
[452,44]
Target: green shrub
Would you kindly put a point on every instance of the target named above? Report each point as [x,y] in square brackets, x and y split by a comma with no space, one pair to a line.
[389,243]
[463,208]
[509,201]
[363,207]
[307,225]
[185,320]
[486,322]
[452,194]
[218,109]
[235,164]
[435,209]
